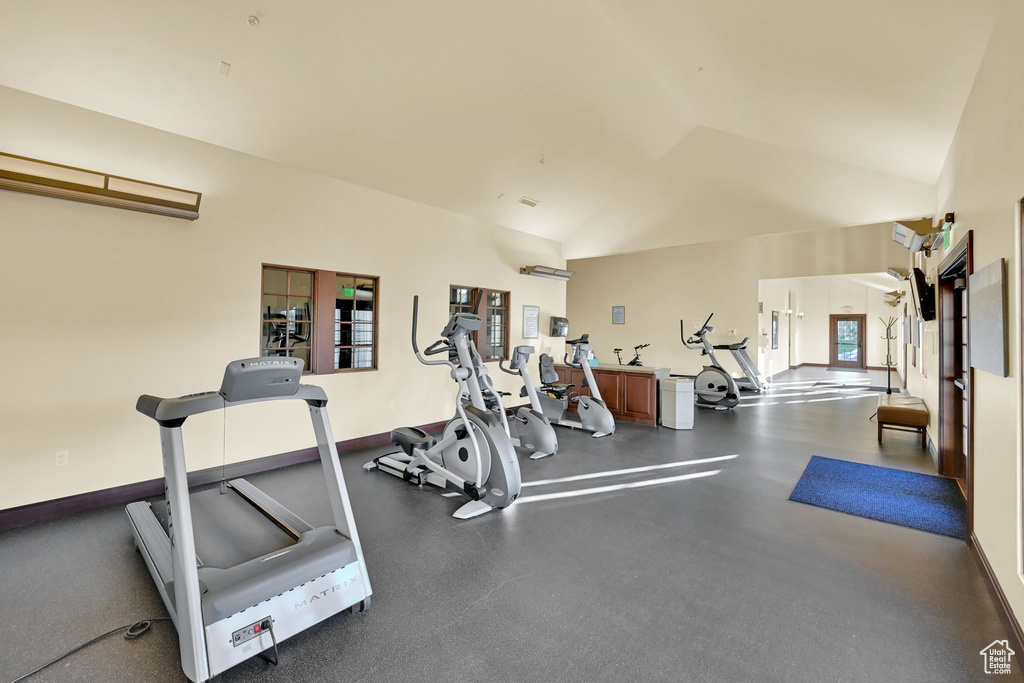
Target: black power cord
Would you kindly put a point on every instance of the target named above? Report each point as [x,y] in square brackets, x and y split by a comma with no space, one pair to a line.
[131,632]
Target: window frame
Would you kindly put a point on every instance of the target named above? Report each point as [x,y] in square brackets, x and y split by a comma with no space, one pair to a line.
[322,324]
[312,308]
[329,293]
[480,340]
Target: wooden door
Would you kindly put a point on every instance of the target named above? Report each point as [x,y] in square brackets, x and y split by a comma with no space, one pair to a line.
[956,395]
[846,341]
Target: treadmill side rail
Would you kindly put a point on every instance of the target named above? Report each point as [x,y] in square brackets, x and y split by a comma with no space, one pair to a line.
[285,519]
[337,490]
[187,596]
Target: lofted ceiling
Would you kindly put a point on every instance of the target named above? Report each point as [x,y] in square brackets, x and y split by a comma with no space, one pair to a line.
[634,124]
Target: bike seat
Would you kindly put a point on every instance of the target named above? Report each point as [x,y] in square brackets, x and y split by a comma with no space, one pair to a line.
[408,438]
[556,390]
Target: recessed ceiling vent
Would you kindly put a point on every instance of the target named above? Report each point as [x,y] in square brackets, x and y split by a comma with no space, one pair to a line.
[529,202]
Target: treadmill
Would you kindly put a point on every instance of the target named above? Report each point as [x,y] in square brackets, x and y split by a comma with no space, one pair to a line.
[752,380]
[268,574]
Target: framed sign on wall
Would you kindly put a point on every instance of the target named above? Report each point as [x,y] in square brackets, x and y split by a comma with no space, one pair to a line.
[775,329]
[531,322]
[618,315]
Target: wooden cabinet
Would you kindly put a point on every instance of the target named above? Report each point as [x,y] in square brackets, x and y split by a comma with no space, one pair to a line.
[631,395]
[640,398]
[610,384]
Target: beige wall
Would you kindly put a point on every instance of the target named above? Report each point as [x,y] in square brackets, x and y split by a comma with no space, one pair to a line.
[774,294]
[661,287]
[110,304]
[819,297]
[982,182]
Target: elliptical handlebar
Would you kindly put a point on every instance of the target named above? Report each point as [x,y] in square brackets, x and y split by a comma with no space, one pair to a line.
[690,343]
[697,340]
[433,350]
[430,350]
[501,365]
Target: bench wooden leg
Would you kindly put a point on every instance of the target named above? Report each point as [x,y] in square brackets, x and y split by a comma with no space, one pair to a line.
[879,431]
[924,438]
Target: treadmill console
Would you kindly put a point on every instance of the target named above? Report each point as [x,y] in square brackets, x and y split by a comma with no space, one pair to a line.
[264,377]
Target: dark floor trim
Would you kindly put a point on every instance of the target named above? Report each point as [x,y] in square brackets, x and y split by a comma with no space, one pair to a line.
[1006,616]
[60,507]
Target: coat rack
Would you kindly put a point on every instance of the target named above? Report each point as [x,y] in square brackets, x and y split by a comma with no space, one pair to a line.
[889,337]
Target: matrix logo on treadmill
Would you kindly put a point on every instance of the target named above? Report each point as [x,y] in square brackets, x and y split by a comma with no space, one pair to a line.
[318,596]
[270,362]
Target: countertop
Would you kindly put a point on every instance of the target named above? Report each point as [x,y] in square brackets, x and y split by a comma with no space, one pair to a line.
[661,373]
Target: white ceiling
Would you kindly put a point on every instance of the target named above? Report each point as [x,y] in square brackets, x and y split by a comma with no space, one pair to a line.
[635,124]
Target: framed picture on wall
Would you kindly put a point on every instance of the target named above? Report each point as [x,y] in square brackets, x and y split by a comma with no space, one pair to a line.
[618,315]
[531,322]
[775,329]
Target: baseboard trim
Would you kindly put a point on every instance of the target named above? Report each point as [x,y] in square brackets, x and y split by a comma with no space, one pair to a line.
[1006,616]
[933,452]
[61,507]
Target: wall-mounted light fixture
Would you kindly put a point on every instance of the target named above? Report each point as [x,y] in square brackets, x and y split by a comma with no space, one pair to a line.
[548,272]
[893,298]
[31,176]
[898,274]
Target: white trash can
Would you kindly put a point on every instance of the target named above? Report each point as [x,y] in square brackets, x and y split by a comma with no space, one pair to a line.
[677,403]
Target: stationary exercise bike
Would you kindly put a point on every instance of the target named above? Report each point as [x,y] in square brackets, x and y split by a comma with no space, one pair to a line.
[713,386]
[593,412]
[529,427]
[636,355]
[475,453]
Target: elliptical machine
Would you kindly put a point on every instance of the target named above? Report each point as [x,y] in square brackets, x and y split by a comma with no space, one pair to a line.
[475,453]
[594,415]
[529,427]
[714,387]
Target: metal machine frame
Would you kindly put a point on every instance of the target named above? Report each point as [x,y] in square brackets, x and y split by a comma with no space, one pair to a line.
[227,615]
[593,412]
[475,453]
[529,427]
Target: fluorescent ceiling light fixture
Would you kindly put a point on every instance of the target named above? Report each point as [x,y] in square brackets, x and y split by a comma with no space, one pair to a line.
[31,176]
[547,271]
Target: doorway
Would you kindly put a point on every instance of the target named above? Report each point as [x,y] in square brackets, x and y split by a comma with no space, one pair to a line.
[956,379]
[846,341]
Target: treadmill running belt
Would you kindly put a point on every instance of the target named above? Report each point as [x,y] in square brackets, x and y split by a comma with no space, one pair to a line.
[228,530]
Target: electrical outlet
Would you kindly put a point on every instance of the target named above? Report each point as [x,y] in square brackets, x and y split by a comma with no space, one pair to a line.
[62,458]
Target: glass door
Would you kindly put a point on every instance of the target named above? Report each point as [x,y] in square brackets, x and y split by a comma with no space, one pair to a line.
[846,335]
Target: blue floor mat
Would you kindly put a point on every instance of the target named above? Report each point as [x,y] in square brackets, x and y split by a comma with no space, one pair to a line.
[918,501]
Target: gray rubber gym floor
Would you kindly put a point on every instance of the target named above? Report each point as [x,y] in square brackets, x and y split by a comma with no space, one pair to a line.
[715,578]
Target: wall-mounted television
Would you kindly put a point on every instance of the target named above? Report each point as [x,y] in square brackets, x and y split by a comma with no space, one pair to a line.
[923,295]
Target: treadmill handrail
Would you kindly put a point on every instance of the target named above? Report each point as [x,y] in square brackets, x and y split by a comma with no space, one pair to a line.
[175,410]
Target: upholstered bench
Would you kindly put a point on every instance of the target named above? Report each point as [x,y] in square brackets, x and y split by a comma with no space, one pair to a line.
[902,413]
